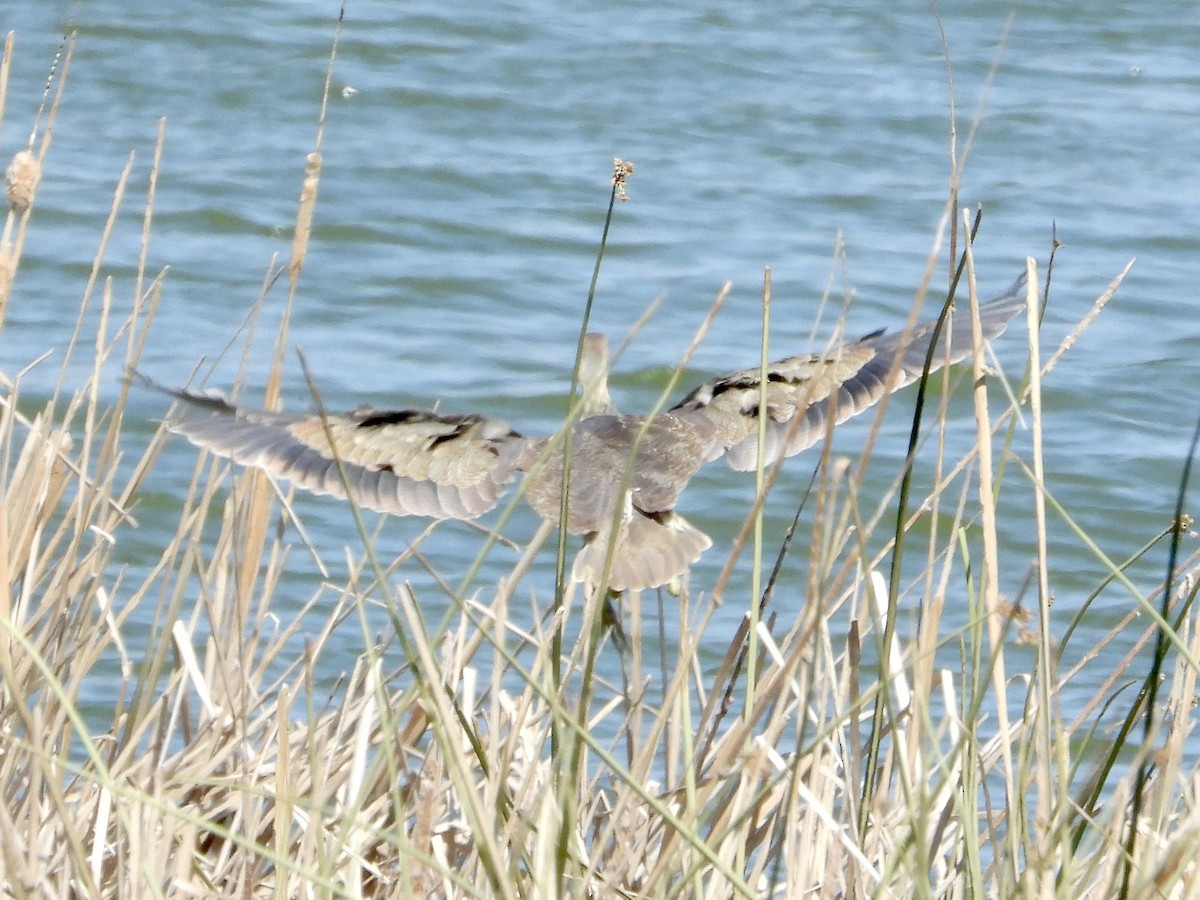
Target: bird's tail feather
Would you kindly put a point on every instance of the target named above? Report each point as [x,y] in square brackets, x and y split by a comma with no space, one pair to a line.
[651,550]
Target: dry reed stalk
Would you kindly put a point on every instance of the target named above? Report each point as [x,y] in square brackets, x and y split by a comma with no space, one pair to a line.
[5,67]
[990,572]
[1050,758]
[24,172]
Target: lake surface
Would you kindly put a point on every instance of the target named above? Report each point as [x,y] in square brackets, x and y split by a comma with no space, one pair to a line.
[467,156]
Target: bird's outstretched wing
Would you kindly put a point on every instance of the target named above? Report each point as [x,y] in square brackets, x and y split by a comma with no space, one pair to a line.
[404,462]
[415,462]
[841,382]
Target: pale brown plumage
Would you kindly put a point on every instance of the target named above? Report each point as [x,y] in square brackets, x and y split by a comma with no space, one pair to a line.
[415,462]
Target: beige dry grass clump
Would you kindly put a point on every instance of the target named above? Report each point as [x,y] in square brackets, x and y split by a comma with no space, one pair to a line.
[477,760]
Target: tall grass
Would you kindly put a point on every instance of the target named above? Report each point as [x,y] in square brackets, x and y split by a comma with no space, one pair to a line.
[829,755]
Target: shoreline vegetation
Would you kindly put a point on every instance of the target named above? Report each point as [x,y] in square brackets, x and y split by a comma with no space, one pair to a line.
[834,755]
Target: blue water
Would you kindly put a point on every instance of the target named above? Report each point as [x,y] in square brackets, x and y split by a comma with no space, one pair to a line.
[466,166]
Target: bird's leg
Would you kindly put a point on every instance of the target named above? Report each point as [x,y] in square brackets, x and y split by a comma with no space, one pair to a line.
[610,618]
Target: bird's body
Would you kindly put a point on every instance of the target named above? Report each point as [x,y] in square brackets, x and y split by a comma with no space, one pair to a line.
[416,462]
[657,543]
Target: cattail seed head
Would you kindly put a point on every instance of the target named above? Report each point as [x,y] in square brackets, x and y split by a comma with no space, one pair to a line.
[21,179]
[622,169]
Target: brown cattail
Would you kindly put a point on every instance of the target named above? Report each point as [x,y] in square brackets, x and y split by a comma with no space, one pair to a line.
[21,179]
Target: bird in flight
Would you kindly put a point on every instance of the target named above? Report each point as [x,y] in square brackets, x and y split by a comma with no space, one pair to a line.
[624,471]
